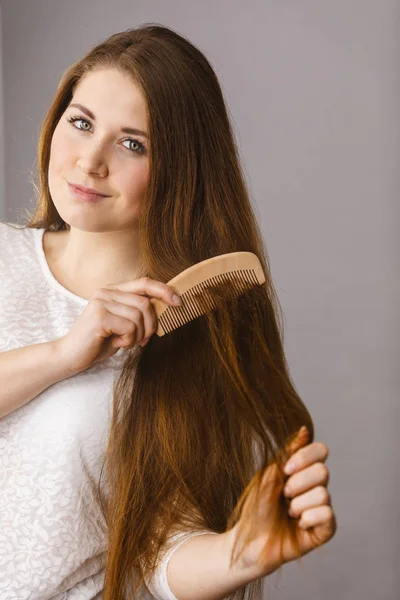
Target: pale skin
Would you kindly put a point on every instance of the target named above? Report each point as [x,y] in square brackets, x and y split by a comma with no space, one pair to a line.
[101,246]
[99,259]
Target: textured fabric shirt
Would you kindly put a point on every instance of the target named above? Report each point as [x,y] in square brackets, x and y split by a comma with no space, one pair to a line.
[52,532]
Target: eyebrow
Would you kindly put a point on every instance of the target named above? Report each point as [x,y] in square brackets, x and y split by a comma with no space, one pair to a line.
[124,129]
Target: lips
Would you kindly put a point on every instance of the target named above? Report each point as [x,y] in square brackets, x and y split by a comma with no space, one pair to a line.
[87,190]
[87,196]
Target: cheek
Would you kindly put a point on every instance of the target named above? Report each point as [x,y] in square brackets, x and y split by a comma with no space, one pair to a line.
[137,180]
[61,159]
[60,152]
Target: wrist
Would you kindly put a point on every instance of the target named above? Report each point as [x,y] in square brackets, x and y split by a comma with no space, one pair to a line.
[247,562]
[56,357]
[248,569]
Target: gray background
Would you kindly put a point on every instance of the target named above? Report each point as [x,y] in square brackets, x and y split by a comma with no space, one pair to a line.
[314,94]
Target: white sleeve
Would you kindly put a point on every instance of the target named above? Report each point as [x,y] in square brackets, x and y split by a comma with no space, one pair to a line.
[158,584]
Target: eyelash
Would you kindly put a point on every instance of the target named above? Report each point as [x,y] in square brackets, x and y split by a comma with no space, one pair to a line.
[141,150]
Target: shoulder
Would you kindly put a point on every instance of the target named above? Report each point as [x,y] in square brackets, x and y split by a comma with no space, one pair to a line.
[9,228]
[6,226]
[15,239]
[9,231]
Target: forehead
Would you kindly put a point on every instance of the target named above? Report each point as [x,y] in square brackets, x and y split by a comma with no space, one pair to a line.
[112,94]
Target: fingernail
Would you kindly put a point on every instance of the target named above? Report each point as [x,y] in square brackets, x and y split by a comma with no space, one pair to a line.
[289,468]
[176,299]
[287,490]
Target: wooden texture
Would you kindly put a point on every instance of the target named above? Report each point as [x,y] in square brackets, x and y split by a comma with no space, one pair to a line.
[242,267]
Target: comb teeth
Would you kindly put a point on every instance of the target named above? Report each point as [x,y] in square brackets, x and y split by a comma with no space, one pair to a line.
[176,316]
[242,270]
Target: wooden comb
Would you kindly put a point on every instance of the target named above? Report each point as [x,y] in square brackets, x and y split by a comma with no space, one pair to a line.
[242,269]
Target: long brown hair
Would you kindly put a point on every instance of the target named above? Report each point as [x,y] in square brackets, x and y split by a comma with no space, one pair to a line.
[200,412]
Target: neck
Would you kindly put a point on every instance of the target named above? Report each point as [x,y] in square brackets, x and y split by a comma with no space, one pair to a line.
[96,259]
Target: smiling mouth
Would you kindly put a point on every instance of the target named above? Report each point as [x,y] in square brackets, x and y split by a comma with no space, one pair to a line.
[85,195]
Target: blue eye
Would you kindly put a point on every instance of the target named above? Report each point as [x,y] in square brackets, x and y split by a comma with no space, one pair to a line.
[140,150]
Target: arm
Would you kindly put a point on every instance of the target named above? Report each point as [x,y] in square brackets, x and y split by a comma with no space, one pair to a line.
[198,569]
[25,372]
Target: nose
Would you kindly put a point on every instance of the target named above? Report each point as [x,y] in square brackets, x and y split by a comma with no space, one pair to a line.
[91,164]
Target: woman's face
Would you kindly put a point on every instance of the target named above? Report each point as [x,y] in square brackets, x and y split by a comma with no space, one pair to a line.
[93,151]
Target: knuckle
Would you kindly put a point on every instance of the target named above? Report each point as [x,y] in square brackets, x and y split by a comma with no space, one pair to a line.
[144,301]
[323,494]
[103,294]
[325,449]
[323,470]
[146,280]
[136,314]
[98,294]
[131,327]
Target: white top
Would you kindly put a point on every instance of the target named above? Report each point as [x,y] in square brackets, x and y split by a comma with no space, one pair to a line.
[52,532]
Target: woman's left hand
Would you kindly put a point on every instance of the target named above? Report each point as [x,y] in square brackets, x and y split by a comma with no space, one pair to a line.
[310,503]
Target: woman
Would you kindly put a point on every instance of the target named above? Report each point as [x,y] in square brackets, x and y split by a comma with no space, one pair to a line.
[195,427]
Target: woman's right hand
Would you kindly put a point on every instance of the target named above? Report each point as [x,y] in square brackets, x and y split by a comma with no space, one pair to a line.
[117,316]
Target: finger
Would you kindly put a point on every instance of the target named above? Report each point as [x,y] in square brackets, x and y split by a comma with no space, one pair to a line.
[147,286]
[113,324]
[309,454]
[316,516]
[317,496]
[132,329]
[316,474]
[142,303]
